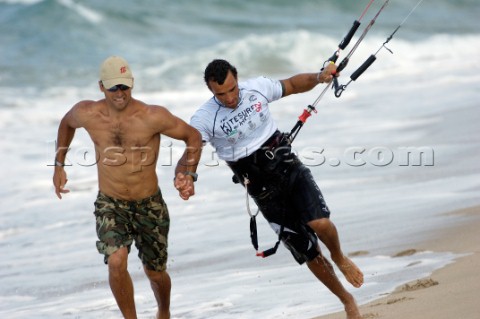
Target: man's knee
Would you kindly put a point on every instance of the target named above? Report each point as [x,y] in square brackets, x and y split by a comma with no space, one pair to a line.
[160,281]
[157,276]
[117,262]
[320,225]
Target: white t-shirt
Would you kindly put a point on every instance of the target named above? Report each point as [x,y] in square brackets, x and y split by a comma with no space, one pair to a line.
[237,133]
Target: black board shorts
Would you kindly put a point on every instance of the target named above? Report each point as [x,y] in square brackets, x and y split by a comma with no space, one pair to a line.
[294,207]
[287,195]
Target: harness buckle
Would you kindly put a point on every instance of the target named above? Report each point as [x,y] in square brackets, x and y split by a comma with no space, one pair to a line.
[270,155]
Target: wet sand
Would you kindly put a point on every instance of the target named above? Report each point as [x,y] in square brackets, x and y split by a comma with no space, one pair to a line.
[452,292]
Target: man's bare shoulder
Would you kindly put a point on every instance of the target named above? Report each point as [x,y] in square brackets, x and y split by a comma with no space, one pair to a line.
[159,117]
[89,106]
[84,111]
[156,112]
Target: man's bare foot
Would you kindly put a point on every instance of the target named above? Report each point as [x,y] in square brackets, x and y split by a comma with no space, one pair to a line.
[351,272]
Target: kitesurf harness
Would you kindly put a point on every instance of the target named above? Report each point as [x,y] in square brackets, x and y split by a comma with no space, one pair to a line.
[289,137]
[284,230]
[267,159]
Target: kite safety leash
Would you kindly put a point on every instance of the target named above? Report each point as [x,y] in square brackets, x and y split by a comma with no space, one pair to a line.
[368,62]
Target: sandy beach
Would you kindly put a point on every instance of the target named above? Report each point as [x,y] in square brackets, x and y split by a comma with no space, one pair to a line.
[449,293]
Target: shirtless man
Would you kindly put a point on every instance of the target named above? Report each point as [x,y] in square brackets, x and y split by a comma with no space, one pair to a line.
[237,122]
[129,206]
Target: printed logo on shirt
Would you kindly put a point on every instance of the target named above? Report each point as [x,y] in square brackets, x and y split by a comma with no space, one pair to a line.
[258,107]
[240,123]
[230,124]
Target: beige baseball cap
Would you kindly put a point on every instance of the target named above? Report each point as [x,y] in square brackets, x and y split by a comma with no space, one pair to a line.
[115,70]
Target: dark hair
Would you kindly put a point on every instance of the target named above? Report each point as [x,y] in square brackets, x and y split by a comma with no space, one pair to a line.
[217,71]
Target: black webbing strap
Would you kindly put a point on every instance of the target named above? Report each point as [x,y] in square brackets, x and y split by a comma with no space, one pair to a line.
[254,237]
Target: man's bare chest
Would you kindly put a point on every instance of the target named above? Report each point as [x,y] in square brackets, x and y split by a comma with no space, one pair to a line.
[121,134]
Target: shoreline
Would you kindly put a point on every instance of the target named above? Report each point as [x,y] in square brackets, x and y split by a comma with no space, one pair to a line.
[449,292]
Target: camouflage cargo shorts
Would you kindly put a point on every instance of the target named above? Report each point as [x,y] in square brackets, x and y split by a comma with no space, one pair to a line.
[120,222]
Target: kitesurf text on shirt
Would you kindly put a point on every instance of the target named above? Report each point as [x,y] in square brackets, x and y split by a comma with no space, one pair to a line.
[229,124]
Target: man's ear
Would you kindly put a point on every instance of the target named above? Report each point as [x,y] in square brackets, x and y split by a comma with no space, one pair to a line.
[100,86]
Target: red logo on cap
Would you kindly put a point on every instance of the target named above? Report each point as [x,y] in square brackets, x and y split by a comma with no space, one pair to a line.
[123,69]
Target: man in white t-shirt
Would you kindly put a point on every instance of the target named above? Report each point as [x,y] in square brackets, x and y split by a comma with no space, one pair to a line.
[237,122]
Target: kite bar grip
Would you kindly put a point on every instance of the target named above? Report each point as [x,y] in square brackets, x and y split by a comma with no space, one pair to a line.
[363,67]
[342,64]
[346,40]
[349,35]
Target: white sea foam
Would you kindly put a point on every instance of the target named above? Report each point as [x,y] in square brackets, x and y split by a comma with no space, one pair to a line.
[85,12]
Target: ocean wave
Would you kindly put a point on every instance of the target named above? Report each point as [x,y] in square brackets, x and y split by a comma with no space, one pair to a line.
[64,41]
